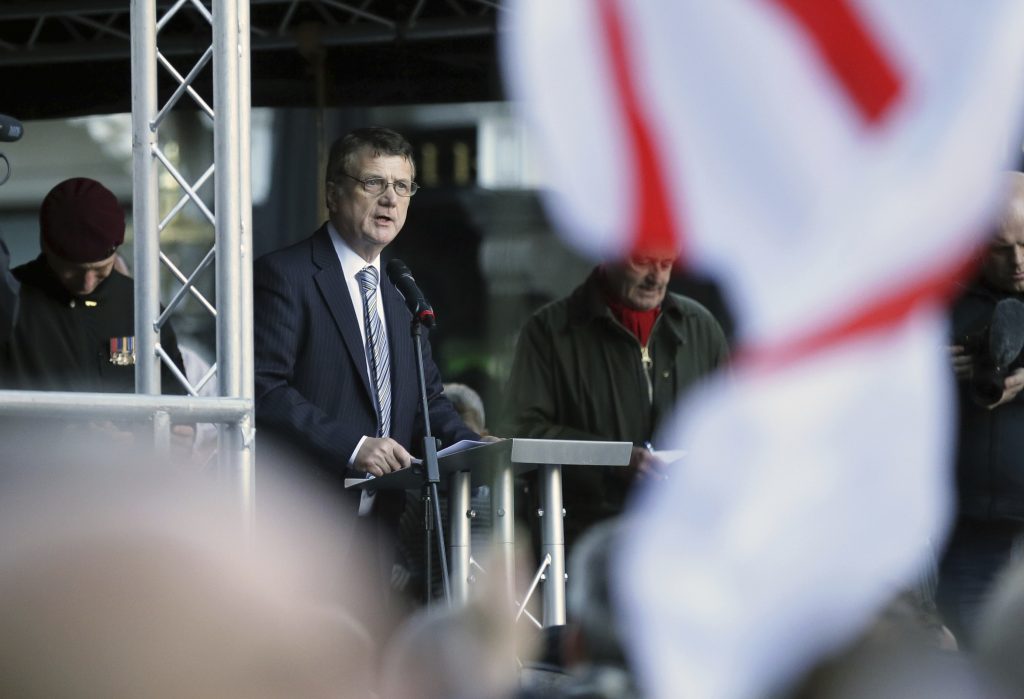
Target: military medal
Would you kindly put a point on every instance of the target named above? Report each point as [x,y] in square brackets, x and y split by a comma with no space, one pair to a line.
[122,351]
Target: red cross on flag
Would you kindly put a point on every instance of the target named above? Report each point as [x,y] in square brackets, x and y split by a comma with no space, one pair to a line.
[832,164]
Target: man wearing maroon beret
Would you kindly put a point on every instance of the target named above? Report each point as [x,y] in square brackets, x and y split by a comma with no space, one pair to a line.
[76,320]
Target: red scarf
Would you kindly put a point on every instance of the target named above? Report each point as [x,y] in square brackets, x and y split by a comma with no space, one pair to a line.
[637,322]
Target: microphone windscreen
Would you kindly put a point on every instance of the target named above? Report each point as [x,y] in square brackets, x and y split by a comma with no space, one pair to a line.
[396,269]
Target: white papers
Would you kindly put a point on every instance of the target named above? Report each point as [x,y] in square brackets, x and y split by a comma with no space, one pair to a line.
[462,445]
[669,456]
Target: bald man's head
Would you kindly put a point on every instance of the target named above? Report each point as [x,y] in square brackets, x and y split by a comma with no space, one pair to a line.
[1003,266]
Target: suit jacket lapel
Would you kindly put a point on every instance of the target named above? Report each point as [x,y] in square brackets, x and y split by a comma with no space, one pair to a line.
[331,282]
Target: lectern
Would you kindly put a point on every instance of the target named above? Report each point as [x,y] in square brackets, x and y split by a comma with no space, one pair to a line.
[497,464]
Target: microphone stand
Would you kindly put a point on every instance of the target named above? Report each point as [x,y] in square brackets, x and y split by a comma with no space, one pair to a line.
[432,474]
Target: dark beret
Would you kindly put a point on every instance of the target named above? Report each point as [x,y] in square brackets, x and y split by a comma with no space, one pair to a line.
[81,221]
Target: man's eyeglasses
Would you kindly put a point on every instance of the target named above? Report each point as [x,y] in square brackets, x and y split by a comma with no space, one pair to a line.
[377,185]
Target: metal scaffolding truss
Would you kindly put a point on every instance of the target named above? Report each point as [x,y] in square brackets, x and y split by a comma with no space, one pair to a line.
[226,54]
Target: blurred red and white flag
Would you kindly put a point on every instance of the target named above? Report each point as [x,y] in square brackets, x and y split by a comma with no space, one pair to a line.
[832,164]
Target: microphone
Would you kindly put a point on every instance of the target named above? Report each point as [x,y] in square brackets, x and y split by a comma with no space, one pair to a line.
[417,303]
[10,129]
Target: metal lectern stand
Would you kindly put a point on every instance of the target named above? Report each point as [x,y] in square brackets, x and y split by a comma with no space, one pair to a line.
[498,463]
[549,455]
[505,460]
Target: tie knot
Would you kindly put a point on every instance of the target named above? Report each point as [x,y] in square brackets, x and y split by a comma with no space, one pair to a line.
[368,277]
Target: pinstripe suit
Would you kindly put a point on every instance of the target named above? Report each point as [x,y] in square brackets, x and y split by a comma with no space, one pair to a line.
[312,385]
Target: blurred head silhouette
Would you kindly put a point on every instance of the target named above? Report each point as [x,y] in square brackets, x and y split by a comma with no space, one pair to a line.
[130,580]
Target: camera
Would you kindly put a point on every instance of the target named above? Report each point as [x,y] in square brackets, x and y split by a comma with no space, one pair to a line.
[996,350]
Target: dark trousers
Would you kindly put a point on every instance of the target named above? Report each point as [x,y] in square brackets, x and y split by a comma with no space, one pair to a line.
[975,555]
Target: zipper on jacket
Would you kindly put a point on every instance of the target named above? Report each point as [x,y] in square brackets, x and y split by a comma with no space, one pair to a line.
[648,365]
[646,361]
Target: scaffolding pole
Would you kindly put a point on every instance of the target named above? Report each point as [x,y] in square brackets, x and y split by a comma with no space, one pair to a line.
[232,219]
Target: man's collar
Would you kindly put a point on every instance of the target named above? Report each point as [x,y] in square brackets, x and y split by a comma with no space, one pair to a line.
[351,263]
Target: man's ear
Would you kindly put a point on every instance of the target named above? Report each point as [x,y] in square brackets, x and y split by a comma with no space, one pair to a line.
[331,197]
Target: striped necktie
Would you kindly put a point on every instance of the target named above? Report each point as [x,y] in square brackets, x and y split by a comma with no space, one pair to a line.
[377,358]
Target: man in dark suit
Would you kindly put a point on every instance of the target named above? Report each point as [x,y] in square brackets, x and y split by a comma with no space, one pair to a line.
[334,357]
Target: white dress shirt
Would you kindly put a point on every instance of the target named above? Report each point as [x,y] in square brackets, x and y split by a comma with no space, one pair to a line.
[351,264]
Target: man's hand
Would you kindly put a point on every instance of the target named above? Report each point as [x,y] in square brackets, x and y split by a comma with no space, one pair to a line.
[1012,385]
[380,455]
[115,433]
[963,363]
[646,465]
[183,438]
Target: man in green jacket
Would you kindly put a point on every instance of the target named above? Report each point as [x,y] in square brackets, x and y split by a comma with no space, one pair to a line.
[609,362]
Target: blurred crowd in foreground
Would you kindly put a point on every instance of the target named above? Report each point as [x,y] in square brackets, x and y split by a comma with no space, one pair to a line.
[117,580]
